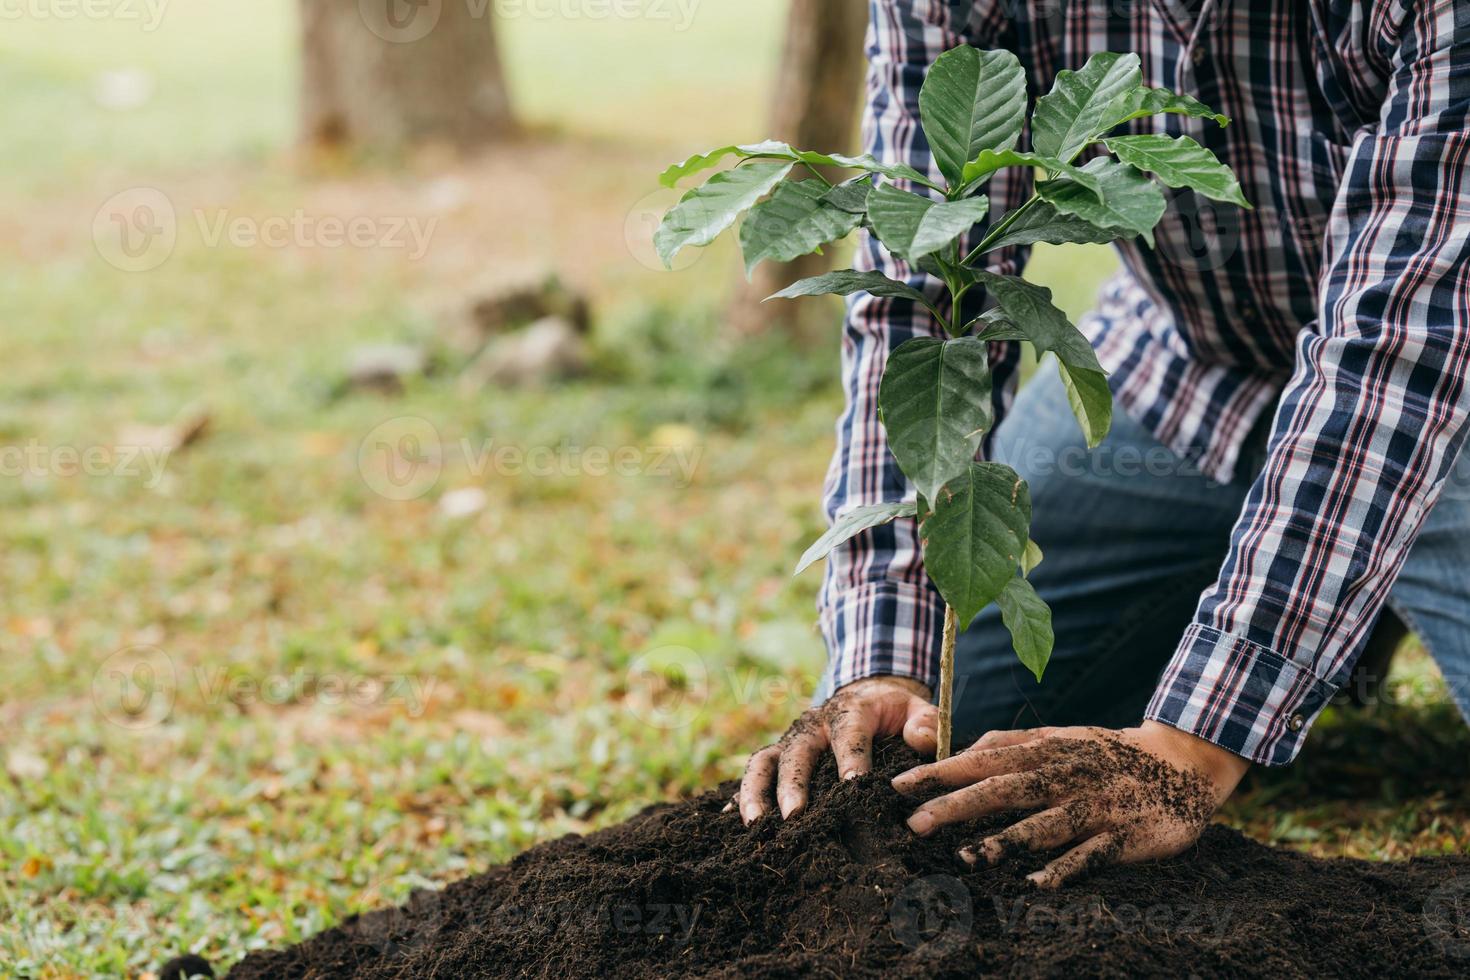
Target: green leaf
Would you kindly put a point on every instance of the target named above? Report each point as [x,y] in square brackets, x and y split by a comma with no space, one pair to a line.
[1144,101]
[850,524]
[1130,202]
[935,400]
[893,171]
[1026,312]
[776,150]
[989,161]
[851,196]
[1078,107]
[1029,620]
[974,538]
[972,100]
[1091,401]
[793,221]
[847,281]
[706,211]
[913,226]
[1031,557]
[770,149]
[1180,162]
[1040,222]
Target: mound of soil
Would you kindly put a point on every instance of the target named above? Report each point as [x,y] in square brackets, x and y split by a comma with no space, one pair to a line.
[846,890]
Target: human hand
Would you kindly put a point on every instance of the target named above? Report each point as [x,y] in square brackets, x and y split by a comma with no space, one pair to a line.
[846,723]
[1138,794]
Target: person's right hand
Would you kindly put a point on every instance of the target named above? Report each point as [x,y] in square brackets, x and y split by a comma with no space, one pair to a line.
[847,724]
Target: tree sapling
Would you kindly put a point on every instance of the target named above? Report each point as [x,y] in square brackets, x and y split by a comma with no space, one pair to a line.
[935,397]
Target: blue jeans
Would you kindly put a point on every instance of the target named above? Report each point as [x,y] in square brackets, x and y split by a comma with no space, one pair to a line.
[1132,536]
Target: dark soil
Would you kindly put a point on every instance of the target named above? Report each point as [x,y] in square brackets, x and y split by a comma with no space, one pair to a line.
[846,890]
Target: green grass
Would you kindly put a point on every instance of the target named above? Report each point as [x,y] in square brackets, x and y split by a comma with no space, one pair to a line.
[504,657]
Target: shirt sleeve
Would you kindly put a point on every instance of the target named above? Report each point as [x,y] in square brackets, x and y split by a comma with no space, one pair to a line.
[878,610]
[1369,426]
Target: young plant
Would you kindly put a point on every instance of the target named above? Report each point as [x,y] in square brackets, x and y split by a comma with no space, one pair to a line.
[935,395]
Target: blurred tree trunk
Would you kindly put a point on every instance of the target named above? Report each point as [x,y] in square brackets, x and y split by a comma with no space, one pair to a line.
[388,74]
[818,89]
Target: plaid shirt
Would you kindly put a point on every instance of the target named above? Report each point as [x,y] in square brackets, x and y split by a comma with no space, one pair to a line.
[1343,299]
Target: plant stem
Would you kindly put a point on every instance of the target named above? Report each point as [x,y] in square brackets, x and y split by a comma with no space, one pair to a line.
[946,684]
[999,229]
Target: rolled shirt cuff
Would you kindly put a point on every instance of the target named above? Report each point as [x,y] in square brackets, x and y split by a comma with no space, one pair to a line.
[1239,695]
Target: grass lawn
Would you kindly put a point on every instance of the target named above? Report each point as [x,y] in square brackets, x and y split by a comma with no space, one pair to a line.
[246,694]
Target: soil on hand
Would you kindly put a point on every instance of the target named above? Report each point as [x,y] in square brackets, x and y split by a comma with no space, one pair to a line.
[845,889]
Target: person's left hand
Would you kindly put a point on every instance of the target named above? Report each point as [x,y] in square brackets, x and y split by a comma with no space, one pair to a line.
[1139,794]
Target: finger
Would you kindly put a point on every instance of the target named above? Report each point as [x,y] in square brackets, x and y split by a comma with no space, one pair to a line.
[1013,791]
[851,732]
[973,765]
[755,785]
[998,738]
[1086,857]
[799,757]
[921,727]
[1039,832]
[731,805]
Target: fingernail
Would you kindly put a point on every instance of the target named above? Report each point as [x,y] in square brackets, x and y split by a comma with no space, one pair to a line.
[925,732]
[967,854]
[993,851]
[728,807]
[921,822]
[850,774]
[789,807]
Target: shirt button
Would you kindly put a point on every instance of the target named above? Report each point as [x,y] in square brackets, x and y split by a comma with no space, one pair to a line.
[1296,722]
